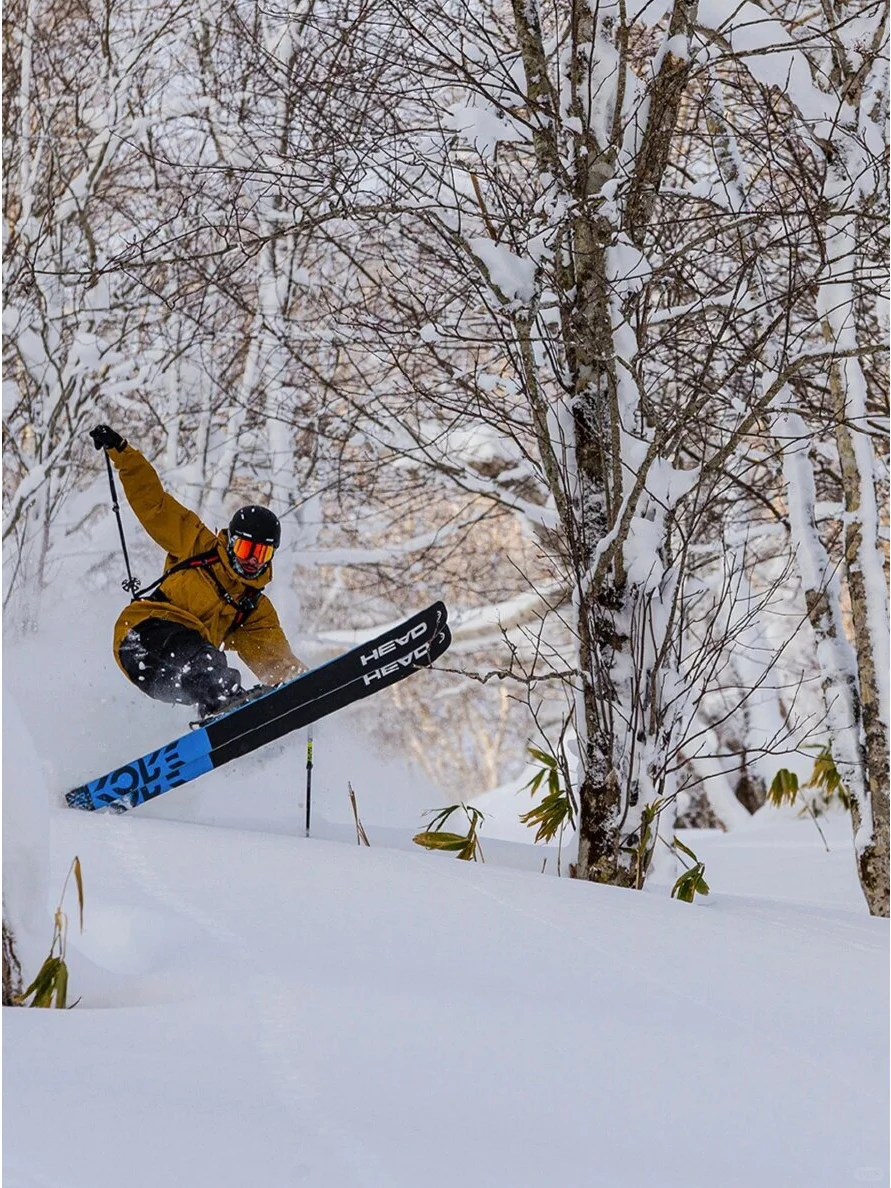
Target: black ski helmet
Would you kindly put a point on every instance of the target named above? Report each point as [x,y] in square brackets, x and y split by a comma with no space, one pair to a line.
[254,535]
[258,524]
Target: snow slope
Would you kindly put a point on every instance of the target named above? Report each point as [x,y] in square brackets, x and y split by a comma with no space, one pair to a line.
[263,1009]
[258,1008]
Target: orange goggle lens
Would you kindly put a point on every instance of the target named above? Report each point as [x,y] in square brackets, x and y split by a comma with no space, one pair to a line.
[252,550]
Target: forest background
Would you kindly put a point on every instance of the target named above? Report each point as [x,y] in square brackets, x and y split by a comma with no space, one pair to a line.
[574,315]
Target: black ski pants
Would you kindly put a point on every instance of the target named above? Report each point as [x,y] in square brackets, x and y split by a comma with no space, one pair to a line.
[172,663]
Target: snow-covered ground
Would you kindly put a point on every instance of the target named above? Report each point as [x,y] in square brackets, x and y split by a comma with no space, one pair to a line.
[258,1008]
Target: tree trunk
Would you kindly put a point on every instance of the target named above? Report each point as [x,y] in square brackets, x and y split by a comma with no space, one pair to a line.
[871,829]
[12,970]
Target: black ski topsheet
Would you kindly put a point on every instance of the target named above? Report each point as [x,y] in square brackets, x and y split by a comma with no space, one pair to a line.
[369,664]
[327,700]
[375,665]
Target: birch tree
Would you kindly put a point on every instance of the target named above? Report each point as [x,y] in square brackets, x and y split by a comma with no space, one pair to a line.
[572,280]
[834,119]
[856,183]
[848,52]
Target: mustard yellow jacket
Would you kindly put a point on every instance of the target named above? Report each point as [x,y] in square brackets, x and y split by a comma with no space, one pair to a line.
[194,599]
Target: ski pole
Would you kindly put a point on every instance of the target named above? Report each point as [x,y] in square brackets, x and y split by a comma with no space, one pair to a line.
[308,777]
[130,584]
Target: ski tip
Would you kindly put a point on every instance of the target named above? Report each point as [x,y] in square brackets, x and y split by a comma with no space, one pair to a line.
[439,645]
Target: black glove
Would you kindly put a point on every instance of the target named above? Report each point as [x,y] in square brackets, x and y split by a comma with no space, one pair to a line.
[105,438]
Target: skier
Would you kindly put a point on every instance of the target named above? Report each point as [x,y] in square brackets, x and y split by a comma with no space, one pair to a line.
[168,640]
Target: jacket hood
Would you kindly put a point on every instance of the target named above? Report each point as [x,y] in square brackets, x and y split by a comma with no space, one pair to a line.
[256,583]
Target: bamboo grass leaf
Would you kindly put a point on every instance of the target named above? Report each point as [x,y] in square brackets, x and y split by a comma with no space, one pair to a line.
[691,883]
[556,809]
[78,879]
[784,788]
[466,846]
[679,845]
[44,985]
[50,986]
[437,839]
[61,986]
[543,757]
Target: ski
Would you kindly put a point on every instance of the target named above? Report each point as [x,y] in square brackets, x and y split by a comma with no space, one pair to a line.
[364,670]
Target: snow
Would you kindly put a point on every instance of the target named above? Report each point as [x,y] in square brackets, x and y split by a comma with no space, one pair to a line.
[514,275]
[261,1008]
[770,53]
[484,127]
[641,550]
[25,840]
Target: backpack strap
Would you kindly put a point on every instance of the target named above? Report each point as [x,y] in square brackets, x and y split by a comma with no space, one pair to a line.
[199,561]
[244,606]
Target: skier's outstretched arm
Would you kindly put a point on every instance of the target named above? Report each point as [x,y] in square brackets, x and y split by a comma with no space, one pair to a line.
[175,528]
[264,648]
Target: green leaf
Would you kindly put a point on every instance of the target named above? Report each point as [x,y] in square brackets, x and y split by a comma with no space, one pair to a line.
[51,982]
[543,757]
[61,985]
[553,812]
[702,887]
[784,788]
[535,783]
[556,809]
[44,976]
[78,879]
[476,815]
[825,774]
[436,839]
[683,888]
[43,985]
[679,845]
[442,815]
[691,883]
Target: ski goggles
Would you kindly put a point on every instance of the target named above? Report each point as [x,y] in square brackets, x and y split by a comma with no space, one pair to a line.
[251,550]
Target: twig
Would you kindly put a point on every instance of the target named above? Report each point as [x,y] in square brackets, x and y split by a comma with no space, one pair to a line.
[361,835]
